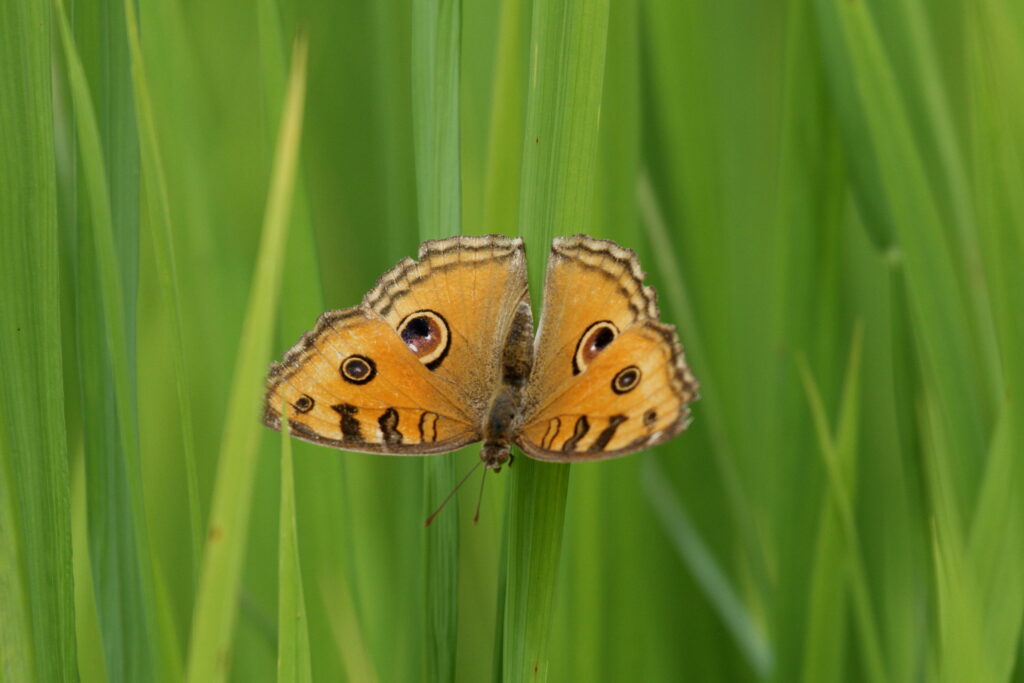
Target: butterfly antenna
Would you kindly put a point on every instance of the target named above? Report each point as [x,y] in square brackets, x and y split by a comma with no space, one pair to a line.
[449,496]
[480,497]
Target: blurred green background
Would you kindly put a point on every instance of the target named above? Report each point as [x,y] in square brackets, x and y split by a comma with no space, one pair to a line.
[827,194]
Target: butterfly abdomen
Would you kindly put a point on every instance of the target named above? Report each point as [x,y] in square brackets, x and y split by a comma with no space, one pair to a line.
[516,359]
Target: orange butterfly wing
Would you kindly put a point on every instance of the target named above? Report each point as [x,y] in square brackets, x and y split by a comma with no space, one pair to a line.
[468,285]
[608,378]
[411,369]
[395,406]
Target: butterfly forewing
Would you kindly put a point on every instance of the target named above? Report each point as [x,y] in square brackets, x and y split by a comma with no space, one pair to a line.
[454,308]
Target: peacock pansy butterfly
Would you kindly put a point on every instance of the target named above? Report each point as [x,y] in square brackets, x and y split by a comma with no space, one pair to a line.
[441,353]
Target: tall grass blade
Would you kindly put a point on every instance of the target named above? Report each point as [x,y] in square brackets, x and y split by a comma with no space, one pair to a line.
[568,43]
[959,652]
[996,536]
[939,301]
[155,180]
[322,519]
[504,153]
[133,647]
[101,46]
[675,292]
[37,636]
[216,604]
[351,644]
[743,627]
[839,453]
[436,36]
[293,665]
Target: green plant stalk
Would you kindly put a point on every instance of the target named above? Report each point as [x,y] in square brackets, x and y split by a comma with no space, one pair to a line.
[347,633]
[37,631]
[838,454]
[293,664]
[155,180]
[956,185]
[112,297]
[568,44]
[939,308]
[102,49]
[959,652]
[436,35]
[220,576]
[321,510]
[682,310]
[691,548]
[995,542]
[504,158]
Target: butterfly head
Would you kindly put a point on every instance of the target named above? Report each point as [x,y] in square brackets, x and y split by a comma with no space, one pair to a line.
[495,454]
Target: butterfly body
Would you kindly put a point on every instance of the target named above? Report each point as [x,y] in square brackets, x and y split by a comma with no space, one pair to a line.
[441,353]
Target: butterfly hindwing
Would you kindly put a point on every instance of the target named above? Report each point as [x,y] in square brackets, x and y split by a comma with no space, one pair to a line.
[631,396]
[608,377]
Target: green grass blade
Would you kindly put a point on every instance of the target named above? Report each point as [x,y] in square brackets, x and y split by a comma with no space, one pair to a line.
[825,637]
[101,46]
[293,665]
[358,663]
[322,519]
[568,43]
[155,180]
[996,539]
[138,648]
[37,637]
[436,35]
[537,498]
[693,551]
[939,301]
[839,453]
[17,639]
[435,86]
[678,298]
[216,604]
[959,652]
[504,153]
[996,544]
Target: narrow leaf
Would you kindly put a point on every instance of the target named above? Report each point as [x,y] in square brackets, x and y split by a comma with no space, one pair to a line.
[568,44]
[220,575]
[37,637]
[435,92]
[293,665]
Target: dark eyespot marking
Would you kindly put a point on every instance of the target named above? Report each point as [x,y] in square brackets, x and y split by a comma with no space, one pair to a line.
[427,335]
[358,369]
[626,379]
[304,403]
[650,417]
[594,340]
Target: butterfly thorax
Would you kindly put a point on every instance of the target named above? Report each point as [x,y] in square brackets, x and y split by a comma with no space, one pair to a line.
[504,408]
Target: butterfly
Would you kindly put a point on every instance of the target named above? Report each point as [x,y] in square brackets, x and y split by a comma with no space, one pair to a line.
[441,354]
